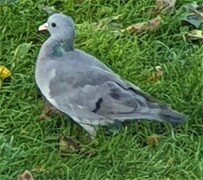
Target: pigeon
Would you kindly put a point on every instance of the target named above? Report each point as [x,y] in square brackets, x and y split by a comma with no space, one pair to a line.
[82,87]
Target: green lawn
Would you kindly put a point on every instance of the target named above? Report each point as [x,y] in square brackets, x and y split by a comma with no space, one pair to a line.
[26,143]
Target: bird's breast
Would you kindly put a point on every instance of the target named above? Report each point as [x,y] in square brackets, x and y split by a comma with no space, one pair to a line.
[43,75]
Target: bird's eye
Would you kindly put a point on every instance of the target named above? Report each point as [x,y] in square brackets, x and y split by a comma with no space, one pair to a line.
[53,24]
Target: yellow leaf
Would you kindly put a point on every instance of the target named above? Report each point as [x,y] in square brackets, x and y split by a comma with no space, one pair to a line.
[153,139]
[4,72]
[156,74]
[195,34]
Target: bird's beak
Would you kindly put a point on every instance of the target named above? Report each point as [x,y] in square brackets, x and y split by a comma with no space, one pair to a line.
[43,27]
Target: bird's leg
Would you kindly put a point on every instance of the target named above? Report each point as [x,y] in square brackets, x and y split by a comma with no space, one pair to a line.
[48,109]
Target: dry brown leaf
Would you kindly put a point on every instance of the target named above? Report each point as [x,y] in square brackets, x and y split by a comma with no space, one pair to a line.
[156,74]
[136,28]
[26,176]
[68,145]
[47,110]
[151,25]
[165,5]
[153,139]
[154,23]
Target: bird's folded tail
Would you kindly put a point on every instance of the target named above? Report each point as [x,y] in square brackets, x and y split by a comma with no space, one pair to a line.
[171,116]
[162,111]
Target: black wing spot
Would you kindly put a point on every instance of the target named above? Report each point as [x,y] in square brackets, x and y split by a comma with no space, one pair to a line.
[98,105]
[115,94]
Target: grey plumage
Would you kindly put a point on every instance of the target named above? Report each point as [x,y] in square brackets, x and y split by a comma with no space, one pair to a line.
[82,87]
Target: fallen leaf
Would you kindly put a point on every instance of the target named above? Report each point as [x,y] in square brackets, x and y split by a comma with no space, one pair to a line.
[193,14]
[193,19]
[156,74]
[164,5]
[195,34]
[21,50]
[136,28]
[191,6]
[151,25]
[49,9]
[153,139]
[4,72]
[26,176]
[67,145]
[47,110]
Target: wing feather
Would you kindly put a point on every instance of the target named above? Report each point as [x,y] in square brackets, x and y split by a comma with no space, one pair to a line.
[92,91]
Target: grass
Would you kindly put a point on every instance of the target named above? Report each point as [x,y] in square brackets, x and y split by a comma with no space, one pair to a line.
[26,143]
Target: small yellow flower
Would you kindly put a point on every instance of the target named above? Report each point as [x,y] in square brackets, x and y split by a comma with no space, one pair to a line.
[4,72]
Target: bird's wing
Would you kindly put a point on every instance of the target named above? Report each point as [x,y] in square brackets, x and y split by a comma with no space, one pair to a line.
[92,92]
